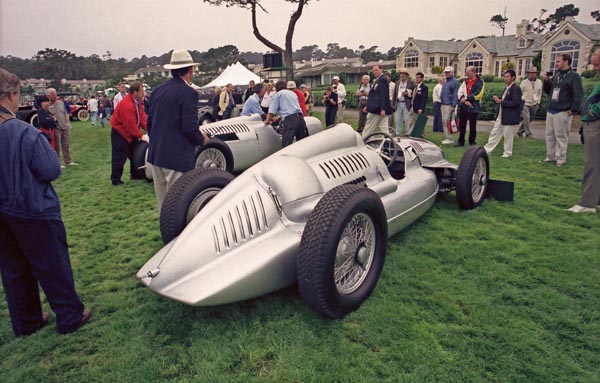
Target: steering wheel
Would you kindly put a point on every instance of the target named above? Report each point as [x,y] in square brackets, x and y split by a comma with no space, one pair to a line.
[386,148]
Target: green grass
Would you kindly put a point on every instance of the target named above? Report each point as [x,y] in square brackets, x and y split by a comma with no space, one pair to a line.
[508,292]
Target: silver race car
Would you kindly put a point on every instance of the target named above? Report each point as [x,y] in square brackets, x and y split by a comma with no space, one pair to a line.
[317,213]
[235,144]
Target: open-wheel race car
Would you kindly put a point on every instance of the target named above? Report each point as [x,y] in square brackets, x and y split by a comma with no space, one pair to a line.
[317,213]
[235,144]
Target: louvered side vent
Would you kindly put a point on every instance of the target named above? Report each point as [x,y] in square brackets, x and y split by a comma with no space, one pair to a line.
[243,221]
[344,165]
[227,137]
[228,128]
[358,181]
[417,147]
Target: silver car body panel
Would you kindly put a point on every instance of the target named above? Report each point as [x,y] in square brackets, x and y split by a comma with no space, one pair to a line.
[250,140]
[244,242]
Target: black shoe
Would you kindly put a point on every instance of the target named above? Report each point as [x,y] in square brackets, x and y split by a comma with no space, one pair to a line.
[458,144]
[117,183]
[472,144]
[133,178]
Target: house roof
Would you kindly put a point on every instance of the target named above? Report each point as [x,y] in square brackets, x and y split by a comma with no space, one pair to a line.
[507,45]
[592,31]
[439,46]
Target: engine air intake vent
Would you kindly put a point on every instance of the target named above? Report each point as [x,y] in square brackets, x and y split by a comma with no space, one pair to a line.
[344,165]
[225,129]
[243,221]
[417,146]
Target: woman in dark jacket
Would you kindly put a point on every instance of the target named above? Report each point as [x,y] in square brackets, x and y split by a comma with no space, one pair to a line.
[330,100]
[46,121]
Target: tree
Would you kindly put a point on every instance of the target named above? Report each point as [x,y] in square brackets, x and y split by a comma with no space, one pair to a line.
[499,21]
[393,52]
[437,69]
[287,51]
[551,22]
[371,54]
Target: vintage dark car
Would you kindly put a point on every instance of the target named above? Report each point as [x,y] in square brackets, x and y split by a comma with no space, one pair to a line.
[28,114]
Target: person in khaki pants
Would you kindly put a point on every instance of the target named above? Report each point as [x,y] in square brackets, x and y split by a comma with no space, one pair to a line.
[62,133]
[590,115]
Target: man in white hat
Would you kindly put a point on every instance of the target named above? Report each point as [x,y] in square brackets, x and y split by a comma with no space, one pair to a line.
[401,101]
[532,95]
[173,125]
[291,85]
[340,89]
[449,98]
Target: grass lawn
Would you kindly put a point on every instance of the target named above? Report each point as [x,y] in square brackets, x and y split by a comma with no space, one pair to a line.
[508,292]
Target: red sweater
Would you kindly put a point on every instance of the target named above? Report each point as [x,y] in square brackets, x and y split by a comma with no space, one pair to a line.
[301,101]
[124,119]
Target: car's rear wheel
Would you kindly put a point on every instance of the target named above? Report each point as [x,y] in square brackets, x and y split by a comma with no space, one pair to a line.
[472,178]
[188,195]
[139,160]
[215,155]
[83,115]
[342,250]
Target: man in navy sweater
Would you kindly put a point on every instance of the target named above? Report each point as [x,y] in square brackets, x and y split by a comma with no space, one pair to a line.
[173,125]
[33,240]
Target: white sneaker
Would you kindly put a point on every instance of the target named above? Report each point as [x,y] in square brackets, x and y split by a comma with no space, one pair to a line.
[506,155]
[73,164]
[447,142]
[581,209]
[62,166]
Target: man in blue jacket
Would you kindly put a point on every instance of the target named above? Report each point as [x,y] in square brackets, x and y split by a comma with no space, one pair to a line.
[33,240]
[173,125]
[509,116]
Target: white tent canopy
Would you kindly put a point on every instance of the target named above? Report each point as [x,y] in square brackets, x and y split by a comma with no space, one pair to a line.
[235,74]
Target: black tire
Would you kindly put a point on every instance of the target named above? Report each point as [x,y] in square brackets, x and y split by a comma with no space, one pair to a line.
[206,119]
[33,120]
[214,155]
[187,197]
[322,240]
[139,159]
[472,178]
[83,115]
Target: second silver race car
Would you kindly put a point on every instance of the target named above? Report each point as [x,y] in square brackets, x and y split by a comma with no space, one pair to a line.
[235,144]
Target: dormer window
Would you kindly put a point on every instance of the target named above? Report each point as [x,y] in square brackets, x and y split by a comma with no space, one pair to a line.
[522,43]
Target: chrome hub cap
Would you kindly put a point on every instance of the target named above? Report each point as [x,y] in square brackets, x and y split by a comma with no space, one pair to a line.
[479,180]
[200,201]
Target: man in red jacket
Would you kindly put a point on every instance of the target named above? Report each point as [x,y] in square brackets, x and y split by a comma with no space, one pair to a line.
[126,121]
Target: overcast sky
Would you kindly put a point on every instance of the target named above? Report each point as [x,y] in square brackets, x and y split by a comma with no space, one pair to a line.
[132,28]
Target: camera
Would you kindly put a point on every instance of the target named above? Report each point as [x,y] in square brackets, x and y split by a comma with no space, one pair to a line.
[549,73]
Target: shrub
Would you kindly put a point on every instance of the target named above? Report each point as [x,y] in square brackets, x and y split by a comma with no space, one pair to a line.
[488,78]
[588,74]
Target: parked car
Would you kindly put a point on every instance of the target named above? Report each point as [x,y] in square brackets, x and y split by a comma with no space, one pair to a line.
[28,114]
[235,144]
[317,213]
[78,107]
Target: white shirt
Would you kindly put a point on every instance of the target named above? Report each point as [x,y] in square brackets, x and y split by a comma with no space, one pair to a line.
[267,98]
[118,99]
[437,93]
[532,91]
[92,105]
[341,92]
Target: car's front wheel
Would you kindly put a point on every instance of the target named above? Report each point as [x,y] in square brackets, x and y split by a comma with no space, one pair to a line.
[472,178]
[215,155]
[188,195]
[83,115]
[342,250]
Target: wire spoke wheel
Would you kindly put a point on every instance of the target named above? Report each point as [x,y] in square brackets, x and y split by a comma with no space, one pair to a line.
[354,254]
[211,158]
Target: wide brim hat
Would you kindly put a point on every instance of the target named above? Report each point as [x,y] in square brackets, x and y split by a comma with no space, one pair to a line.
[533,69]
[180,58]
[403,70]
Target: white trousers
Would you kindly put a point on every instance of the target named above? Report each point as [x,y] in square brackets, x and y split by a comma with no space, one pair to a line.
[163,180]
[499,131]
